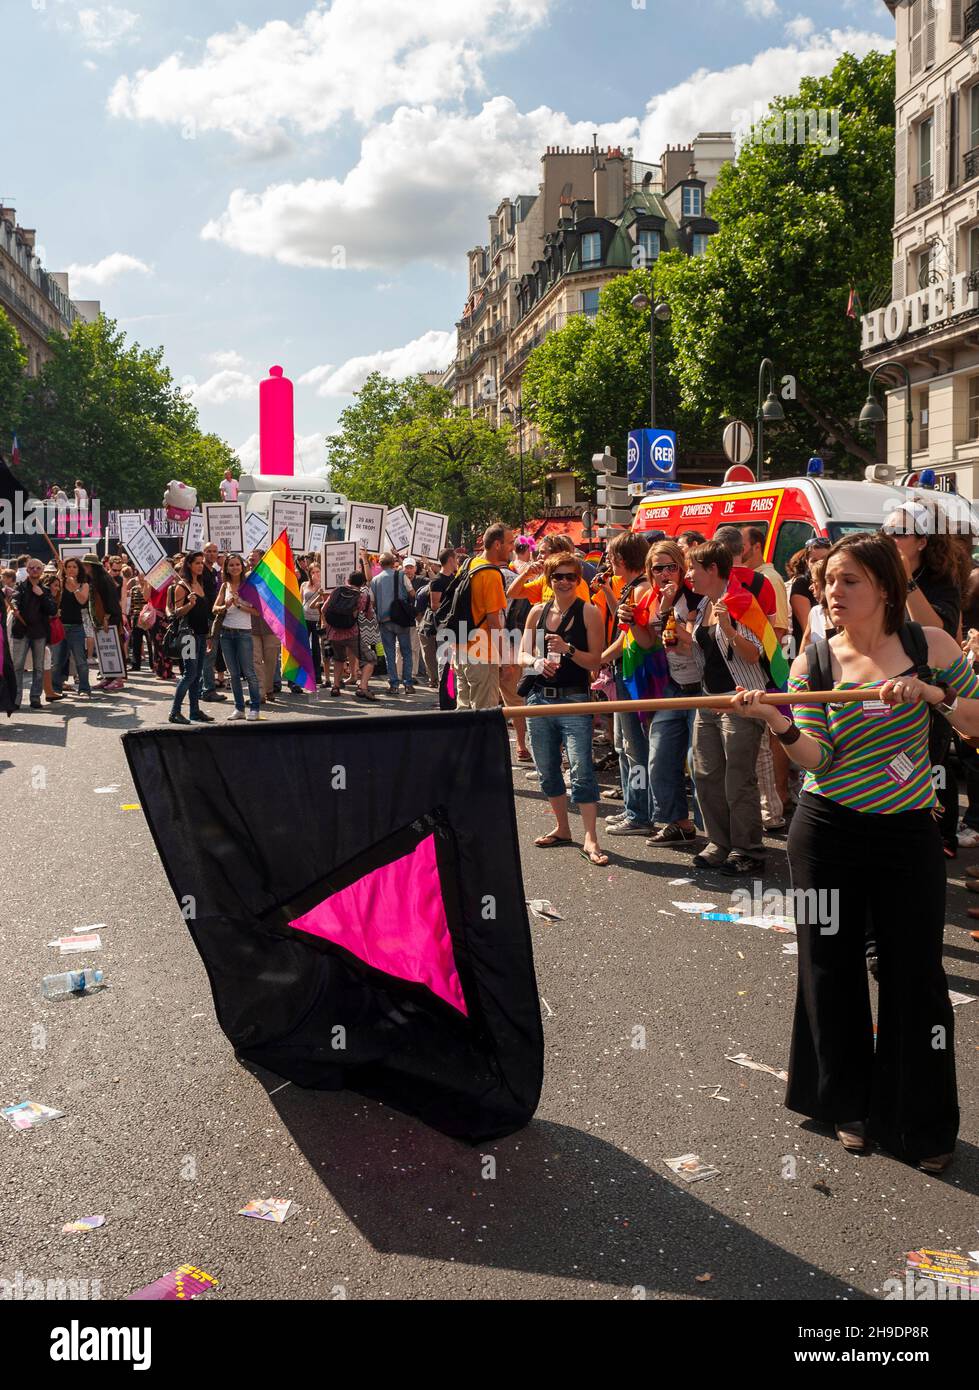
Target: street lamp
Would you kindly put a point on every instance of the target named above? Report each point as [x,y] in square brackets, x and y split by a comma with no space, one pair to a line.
[661,312]
[515,414]
[771,410]
[872,414]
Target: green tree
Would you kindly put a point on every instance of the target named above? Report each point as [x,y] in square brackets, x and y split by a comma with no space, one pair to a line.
[13,361]
[110,413]
[587,385]
[401,442]
[798,225]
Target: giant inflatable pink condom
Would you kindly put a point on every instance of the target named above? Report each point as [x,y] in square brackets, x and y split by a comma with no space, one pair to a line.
[276,430]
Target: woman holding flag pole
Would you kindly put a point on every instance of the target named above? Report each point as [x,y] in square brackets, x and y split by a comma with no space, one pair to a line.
[865,842]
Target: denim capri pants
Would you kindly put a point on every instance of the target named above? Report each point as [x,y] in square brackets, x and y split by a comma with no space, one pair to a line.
[574,734]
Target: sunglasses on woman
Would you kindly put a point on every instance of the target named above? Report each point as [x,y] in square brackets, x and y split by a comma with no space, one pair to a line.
[564,578]
[660,569]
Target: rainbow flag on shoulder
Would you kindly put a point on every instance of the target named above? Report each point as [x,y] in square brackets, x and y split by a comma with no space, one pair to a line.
[744,608]
[273,589]
[645,670]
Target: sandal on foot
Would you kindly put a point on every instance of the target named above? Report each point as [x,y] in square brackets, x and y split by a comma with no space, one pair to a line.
[595,856]
[853,1136]
[935,1165]
[551,841]
[525,756]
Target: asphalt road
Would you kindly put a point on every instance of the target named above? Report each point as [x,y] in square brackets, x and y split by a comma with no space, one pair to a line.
[167,1135]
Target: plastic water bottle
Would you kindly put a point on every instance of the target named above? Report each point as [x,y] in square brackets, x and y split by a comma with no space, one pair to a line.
[71,982]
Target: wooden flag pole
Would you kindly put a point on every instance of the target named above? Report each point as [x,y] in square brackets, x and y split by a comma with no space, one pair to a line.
[721,702]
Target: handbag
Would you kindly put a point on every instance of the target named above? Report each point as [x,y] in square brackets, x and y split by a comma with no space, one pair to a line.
[57,631]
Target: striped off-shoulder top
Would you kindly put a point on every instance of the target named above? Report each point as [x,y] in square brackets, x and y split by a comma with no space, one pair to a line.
[874,756]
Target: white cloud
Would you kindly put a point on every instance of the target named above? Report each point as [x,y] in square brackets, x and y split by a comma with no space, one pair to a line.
[102,28]
[230,359]
[310,454]
[420,190]
[432,352]
[356,57]
[761,9]
[799,28]
[103,272]
[222,387]
[732,98]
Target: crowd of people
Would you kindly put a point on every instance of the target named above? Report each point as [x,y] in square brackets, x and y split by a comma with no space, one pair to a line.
[867,792]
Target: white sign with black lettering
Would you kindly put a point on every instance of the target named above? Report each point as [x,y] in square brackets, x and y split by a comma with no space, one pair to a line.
[339,560]
[428,532]
[398,529]
[256,532]
[291,517]
[109,650]
[129,524]
[144,549]
[224,524]
[317,539]
[194,531]
[365,526]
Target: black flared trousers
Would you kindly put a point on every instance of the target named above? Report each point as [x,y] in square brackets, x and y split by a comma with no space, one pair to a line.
[888,871]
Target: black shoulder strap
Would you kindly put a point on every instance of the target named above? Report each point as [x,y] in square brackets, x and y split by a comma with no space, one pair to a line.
[820,663]
[915,644]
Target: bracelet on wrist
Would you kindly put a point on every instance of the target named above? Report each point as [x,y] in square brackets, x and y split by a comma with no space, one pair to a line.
[789,735]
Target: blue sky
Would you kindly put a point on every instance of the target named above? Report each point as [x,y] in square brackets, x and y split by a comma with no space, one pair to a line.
[248,182]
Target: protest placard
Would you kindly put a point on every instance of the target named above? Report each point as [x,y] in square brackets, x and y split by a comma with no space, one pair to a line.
[339,560]
[291,517]
[365,525]
[144,549]
[398,529]
[428,532]
[224,524]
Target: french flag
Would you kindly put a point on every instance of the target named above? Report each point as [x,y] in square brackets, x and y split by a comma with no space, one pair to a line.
[15,452]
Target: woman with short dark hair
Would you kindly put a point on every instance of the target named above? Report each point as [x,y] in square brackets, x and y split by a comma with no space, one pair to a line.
[192,608]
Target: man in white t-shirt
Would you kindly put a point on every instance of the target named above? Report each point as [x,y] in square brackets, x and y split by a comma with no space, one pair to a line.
[229,487]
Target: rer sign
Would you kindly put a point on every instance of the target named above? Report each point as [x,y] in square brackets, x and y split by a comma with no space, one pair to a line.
[651,456]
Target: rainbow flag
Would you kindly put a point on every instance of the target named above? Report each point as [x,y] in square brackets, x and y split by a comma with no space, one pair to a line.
[744,608]
[645,670]
[273,589]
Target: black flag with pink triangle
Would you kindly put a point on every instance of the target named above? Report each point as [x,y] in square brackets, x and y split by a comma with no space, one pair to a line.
[354,889]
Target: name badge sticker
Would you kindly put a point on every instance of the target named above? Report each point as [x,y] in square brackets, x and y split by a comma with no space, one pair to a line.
[875,709]
[900,769]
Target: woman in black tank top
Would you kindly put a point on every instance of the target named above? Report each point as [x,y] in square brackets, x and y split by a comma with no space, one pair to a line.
[192,609]
[561,649]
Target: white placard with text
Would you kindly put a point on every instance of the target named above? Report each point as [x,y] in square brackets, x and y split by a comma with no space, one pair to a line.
[428,534]
[365,526]
[291,517]
[144,549]
[339,559]
[224,524]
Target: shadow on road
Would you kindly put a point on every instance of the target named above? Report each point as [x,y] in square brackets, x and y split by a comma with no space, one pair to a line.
[563,1203]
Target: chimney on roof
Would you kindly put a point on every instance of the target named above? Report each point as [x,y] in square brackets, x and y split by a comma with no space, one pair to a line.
[28,236]
[9,215]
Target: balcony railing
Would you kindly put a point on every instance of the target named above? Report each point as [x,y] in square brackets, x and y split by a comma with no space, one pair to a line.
[972,158]
[923,193]
[21,307]
[971,20]
[973,281]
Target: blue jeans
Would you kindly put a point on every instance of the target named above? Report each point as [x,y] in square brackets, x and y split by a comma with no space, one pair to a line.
[632,746]
[19,647]
[391,639]
[208,683]
[72,646]
[573,733]
[670,734]
[190,681]
[236,647]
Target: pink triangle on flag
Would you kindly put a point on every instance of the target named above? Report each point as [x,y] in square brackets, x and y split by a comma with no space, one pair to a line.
[394,920]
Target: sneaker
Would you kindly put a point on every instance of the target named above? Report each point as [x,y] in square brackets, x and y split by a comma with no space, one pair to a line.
[394,690]
[628,827]
[769,826]
[252,715]
[409,690]
[740,865]
[967,837]
[179,719]
[201,718]
[212,695]
[710,858]
[235,715]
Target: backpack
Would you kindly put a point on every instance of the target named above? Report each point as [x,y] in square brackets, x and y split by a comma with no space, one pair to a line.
[915,644]
[341,610]
[422,605]
[400,612]
[455,612]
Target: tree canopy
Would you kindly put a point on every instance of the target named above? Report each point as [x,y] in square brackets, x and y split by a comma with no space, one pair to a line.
[110,413]
[13,360]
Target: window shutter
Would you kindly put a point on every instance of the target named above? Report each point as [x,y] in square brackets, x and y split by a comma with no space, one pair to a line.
[955,19]
[930,22]
[916,36]
[900,173]
[938,162]
[898,273]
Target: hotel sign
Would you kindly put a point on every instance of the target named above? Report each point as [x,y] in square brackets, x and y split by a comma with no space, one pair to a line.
[939,303]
